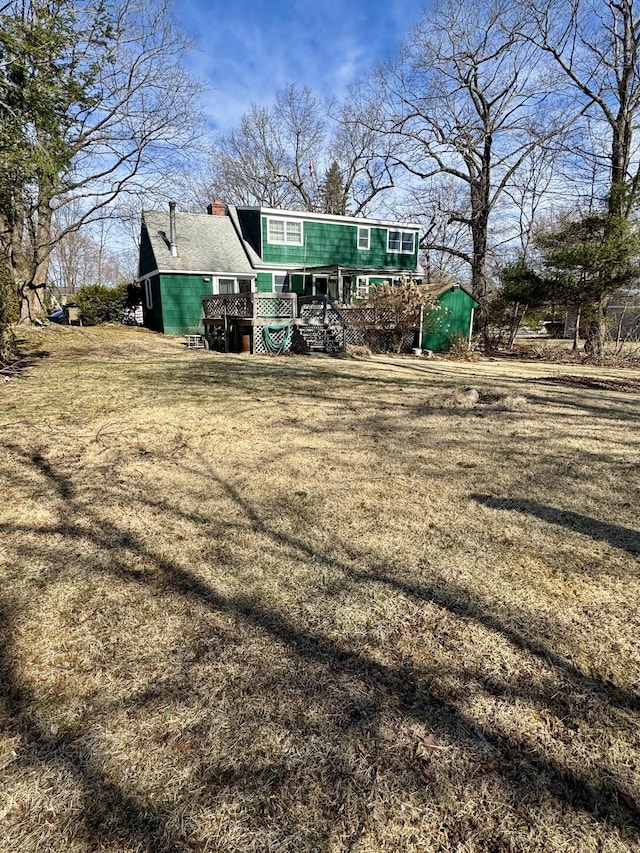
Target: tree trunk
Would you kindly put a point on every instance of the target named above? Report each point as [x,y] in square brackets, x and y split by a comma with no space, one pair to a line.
[600,327]
[478,275]
[30,266]
[480,209]
[516,322]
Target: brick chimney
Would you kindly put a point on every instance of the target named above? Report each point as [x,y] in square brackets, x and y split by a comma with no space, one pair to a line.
[217,208]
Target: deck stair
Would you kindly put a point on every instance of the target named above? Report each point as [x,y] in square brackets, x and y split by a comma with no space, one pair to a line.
[318,338]
[320,326]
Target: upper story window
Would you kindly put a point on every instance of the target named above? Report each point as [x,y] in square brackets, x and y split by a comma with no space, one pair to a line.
[401,241]
[285,232]
[364,238]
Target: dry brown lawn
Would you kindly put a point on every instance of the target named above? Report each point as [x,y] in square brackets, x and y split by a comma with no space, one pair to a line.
[312,604]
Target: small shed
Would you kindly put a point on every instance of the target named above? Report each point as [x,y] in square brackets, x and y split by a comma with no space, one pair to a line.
[457,321]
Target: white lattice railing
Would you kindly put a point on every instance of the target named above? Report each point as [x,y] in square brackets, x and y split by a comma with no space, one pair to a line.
[250,305]
[277,305]
[215,307]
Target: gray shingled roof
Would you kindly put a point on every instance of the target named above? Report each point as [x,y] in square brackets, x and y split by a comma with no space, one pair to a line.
[205,243]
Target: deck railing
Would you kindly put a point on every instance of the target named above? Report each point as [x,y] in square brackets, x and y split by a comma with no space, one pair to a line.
[250,306]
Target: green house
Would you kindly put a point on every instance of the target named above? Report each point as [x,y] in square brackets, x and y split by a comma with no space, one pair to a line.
[229,250]
[254,278]
[184,256]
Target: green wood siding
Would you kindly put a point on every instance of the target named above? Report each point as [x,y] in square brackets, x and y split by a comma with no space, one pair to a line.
[457,321]
[336,243]
[250,226]
[264,282]
[153,315]
[181,297]
[147,259]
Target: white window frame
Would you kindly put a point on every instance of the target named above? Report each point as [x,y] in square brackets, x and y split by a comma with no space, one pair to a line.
[286,239]
[362,232]
[222,278]
[280,274]
[362,287]
[401,239]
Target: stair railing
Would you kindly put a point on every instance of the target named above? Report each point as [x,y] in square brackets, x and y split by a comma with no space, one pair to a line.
[327,309]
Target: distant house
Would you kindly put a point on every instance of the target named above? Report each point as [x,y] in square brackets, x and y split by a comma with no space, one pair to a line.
[235,272]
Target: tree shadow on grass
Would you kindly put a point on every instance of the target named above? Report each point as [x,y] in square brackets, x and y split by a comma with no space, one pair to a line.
[112,813]
[620,537]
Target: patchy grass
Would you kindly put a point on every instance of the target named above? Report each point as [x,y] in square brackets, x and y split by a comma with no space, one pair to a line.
[313,604]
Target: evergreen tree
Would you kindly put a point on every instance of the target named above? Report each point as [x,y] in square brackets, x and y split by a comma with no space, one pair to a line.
[41,76]
[584,261]
[8,315]
[333,191]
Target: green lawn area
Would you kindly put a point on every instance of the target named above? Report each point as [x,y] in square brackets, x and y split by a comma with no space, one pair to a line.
[305,604]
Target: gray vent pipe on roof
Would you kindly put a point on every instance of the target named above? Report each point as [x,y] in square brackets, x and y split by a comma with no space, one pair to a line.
[173,242]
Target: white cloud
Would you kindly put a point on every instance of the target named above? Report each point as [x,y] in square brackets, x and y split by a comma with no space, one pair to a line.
[247,51]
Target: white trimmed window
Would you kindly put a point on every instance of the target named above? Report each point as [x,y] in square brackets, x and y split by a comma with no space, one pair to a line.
[148,295]
[401,241]
[226,285]
[285,232]
[281,282]
[362,288]
[364,238]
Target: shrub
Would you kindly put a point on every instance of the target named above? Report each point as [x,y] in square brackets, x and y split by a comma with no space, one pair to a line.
[397,308]
[100,304]
[461,349]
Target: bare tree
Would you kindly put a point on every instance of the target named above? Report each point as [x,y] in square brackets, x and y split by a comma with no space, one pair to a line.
[466,97]
[365,164]
[596,45]
[278,153]
[271,157]
[96,104]
[87,256]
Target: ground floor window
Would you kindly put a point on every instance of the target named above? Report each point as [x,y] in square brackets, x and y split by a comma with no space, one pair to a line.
[281,283]
[362,288]
[228,286]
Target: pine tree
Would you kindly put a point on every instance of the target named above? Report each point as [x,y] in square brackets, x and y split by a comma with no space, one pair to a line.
[585,261]
[333,191]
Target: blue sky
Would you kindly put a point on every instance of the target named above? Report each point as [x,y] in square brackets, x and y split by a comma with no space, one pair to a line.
[246,50]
